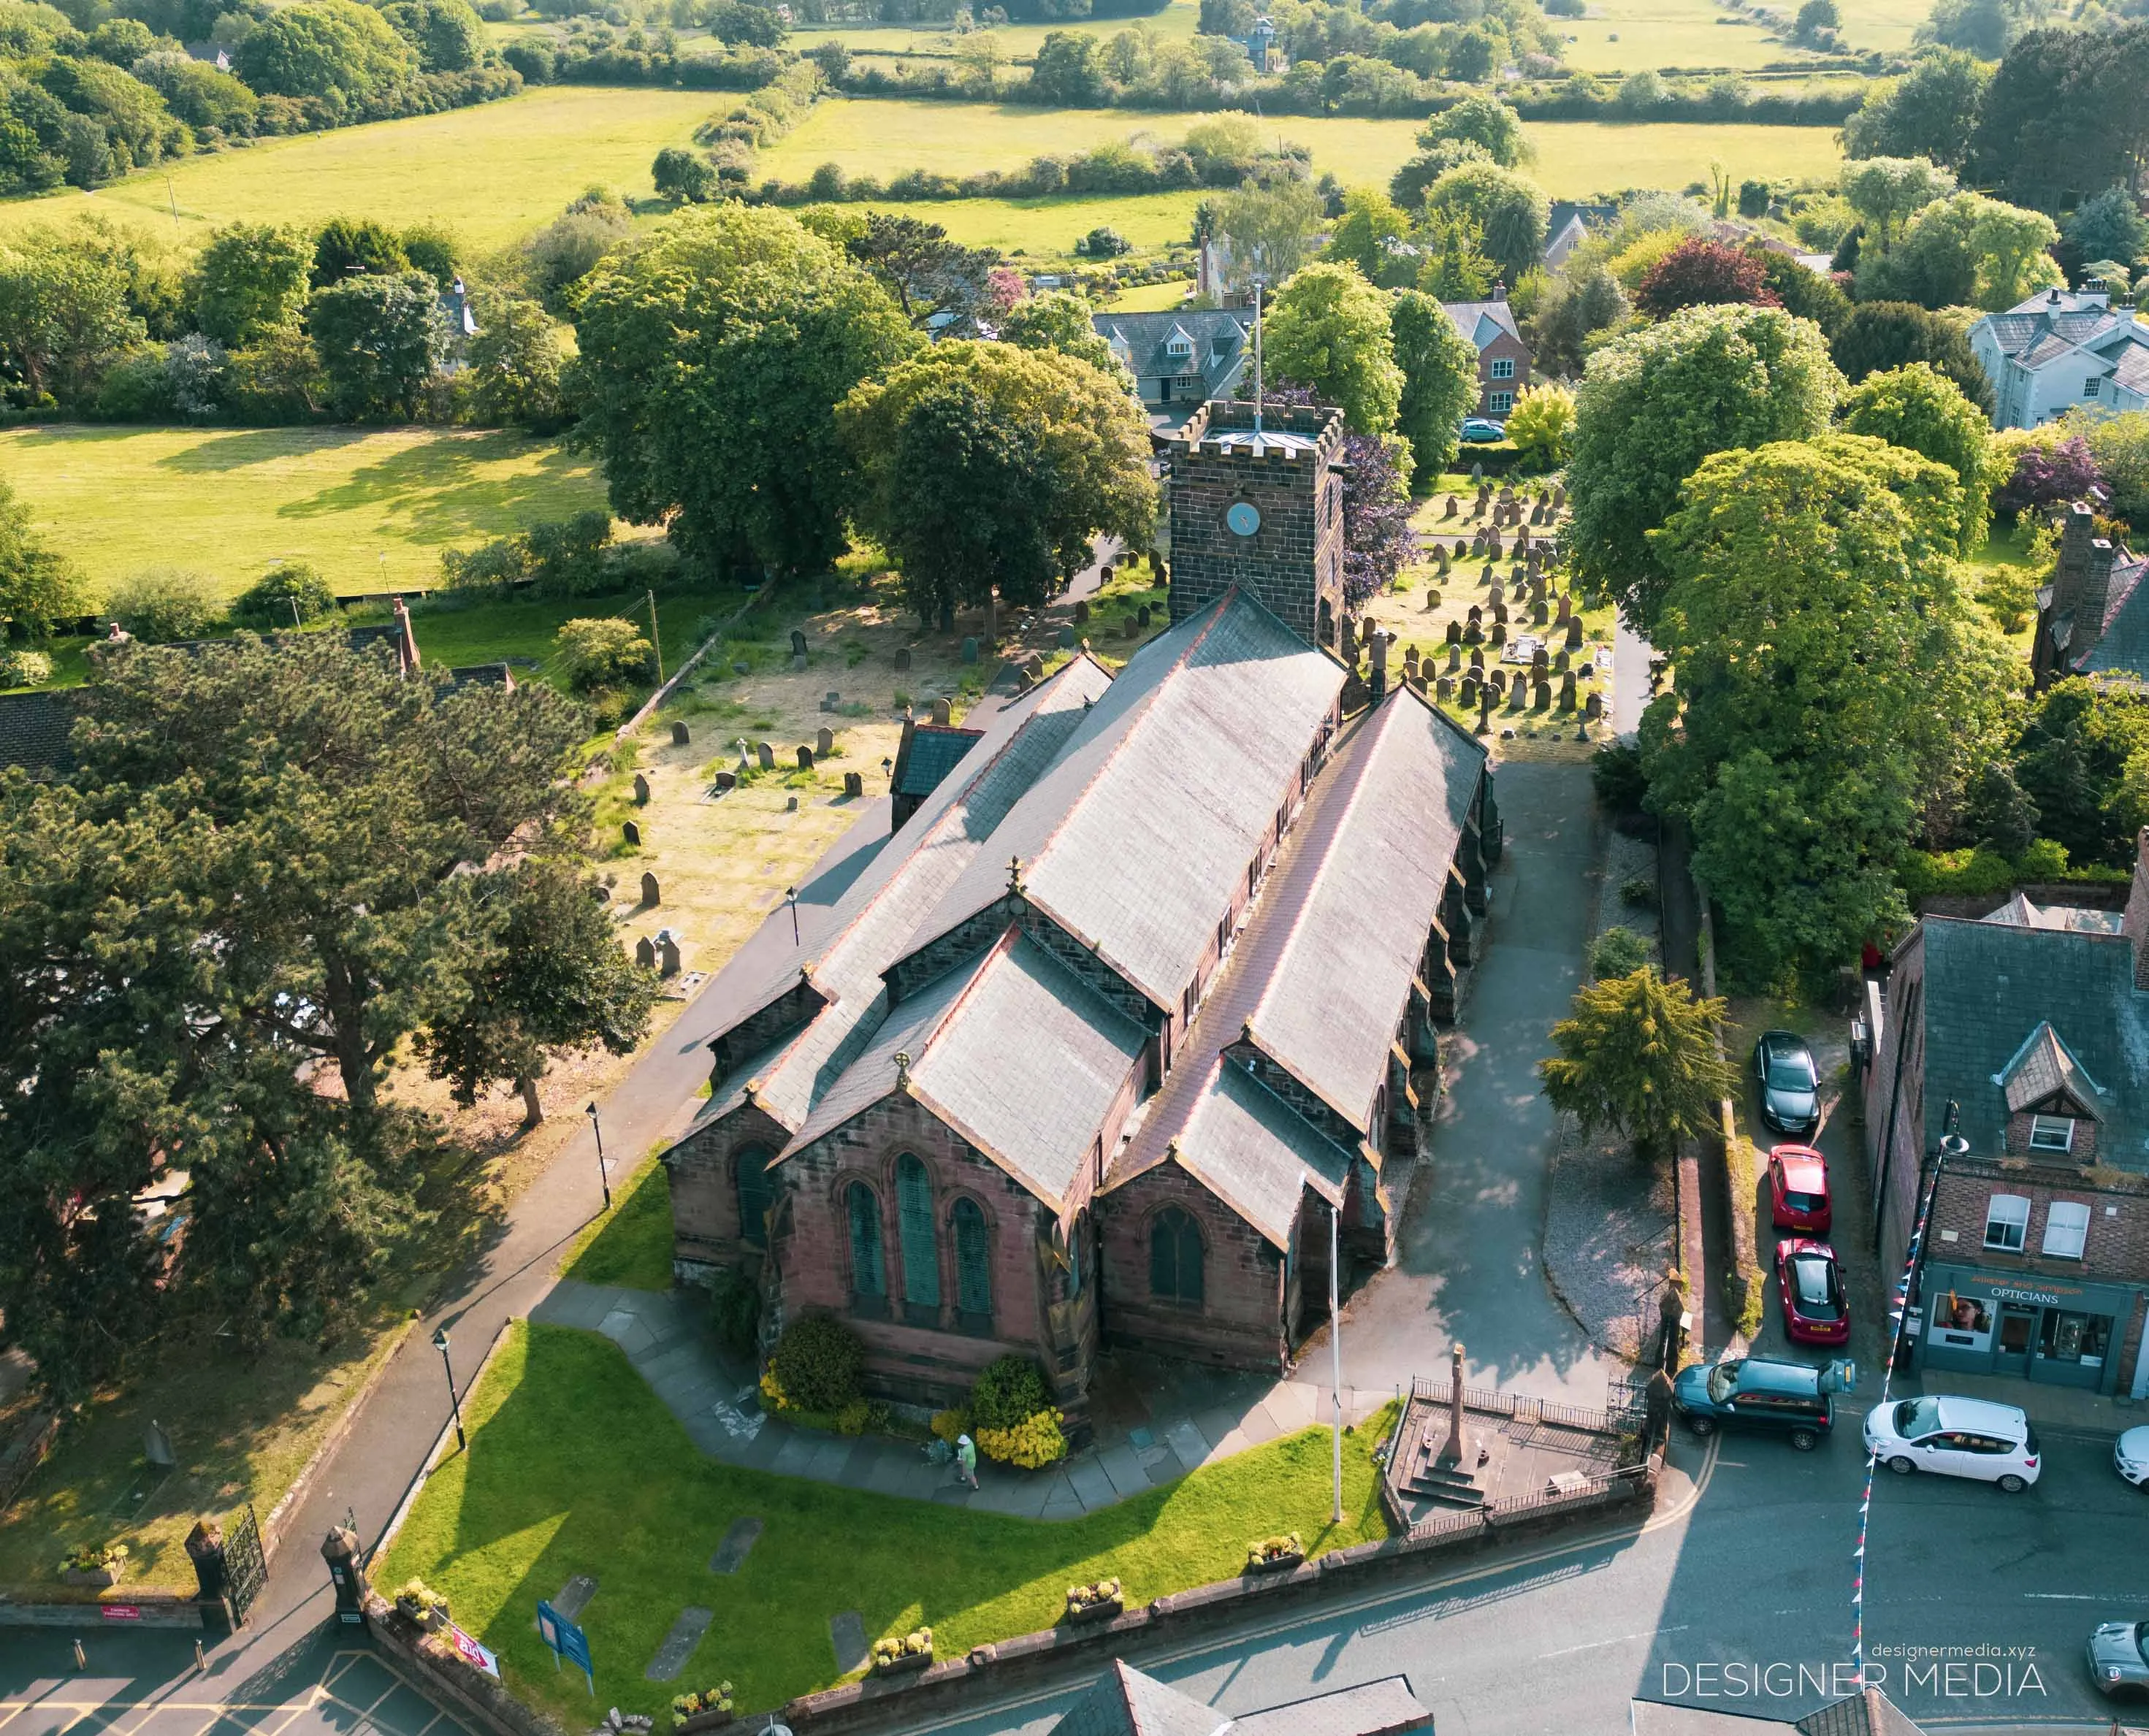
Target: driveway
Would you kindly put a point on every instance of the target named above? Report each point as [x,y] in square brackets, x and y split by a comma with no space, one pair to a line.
[1468,1263]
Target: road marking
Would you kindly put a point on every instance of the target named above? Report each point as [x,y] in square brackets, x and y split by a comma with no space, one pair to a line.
[1656,1521]
[2068,1597]
[1598,1644]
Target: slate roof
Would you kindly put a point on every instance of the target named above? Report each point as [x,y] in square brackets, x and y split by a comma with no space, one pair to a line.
[1123,1702]
[1482,321]
[33,731]
[1870,1713]
[1220,337]
[1033,1104]
[932,752]
[2022,914]
[1348,924]
[2044,1064]
[2123,645]
[1252,1151]
[1385,1708]
[2050,326]
[1136,840]
[1988,986]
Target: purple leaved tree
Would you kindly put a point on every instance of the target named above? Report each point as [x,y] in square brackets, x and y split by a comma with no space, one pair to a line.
[2047,476]
[1376,506]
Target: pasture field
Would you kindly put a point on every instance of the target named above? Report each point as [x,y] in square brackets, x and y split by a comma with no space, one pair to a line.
[372,508]
[1625,36]
[1021,41]
[883,136]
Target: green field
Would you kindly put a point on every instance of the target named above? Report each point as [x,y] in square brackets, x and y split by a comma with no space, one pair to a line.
[1020,41]
[1623,36]
[371,508]
[878,136]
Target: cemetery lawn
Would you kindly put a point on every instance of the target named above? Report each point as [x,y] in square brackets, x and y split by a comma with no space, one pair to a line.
[631,1244]
[574,1467]
[373,508]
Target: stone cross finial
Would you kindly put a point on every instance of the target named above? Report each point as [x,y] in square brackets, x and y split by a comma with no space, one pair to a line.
[1015,876]
[902,1068]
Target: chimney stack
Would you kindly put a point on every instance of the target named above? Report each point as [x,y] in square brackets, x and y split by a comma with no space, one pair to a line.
[2081,584]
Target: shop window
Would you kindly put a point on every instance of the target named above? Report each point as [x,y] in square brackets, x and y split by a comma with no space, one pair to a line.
[2067,1336]
[2067,1229]
[921,1254]
[1174,1258]
[1953,1313]
[868,1270]
[2052,1133]
[974,1268]
[2006,1222]
[750,1170]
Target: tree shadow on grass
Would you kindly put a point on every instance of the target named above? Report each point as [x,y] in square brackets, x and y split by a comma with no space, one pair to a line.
[437,490]
[219,453]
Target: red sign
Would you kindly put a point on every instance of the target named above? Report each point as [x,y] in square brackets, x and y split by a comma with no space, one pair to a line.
[120,1611]
[473,1653]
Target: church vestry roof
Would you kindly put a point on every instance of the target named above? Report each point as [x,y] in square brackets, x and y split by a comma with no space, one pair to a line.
[1346,926]
[1253,1151]
[1383,1708]
[932,752]
[1123,1702]
[1136,840]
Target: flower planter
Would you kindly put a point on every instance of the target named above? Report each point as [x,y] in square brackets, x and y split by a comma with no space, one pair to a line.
[908,1664]
[1278,1563]
[96,1577]
[1101,1611]
[701,1721]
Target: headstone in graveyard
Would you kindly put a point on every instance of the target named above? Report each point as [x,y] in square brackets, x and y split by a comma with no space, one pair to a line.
[650,897]
[681,735]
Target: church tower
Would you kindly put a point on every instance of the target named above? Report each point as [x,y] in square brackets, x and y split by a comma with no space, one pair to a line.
[1260,508]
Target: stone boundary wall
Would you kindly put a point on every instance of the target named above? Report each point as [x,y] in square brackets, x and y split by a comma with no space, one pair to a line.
[147,1609]
[434,1668]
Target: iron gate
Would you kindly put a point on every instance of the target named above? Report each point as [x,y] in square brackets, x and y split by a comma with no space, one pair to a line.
[245,1569]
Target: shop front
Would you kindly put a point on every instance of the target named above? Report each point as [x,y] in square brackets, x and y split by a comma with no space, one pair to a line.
[2035,1328]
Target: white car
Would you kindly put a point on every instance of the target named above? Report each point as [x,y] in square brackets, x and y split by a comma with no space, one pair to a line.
[2131,1457]
[1953,1437]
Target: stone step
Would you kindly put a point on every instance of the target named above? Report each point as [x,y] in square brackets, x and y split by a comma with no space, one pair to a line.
[1448,1494]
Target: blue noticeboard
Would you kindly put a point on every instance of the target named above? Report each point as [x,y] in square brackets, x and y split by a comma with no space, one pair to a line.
[566,1641]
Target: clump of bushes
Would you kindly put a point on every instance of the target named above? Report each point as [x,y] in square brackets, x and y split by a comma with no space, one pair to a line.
[161,604]
[735,1310]
[1265,1550]
[563,557]
[951,1426]
[817,1366]
[1016,1423]
[1619,952]
[604,653]
[916,1643]
[290,594]
[20,666]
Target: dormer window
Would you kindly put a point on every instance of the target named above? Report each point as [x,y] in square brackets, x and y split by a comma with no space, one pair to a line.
[2052,1133]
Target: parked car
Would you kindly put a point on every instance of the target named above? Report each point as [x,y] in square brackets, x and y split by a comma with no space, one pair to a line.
[2118,1656]
[1972,1437]
[1798,1190]
[1788,1082]
[1482,430]
[2129,1456]
[1783,1398]
[1816,1309]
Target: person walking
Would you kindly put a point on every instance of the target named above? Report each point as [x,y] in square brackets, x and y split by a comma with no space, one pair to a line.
[966,1460]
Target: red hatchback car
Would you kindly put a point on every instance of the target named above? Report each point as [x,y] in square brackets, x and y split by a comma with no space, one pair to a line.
[1816,1309]
[1798,1190]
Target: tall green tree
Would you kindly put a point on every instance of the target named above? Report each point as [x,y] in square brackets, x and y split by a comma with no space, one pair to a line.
[1876,335]
[2063,117]
[712,359]
[928,274]
[1440,381]
[1369,236]
[1887,191]
[330,49]
[64,318]
[1509,210]
[1965,249]
[1922,411]
[1481,120]
[986,470]
[1328,329]
[40,587]
[1637,1057]
[2083,760]
[1269,230]
[1657,402]
[516,362]
[1929,112]
[1061,319]
[1836,689]
[382,341]
[251,279]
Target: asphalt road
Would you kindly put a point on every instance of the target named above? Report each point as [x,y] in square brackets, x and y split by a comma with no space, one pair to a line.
[1739,1584]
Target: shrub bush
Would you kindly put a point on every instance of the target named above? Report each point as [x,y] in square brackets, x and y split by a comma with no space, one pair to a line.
[599,654]
[951,1426]
[1035,1441]
[163,603]
[290,594]
[735,1310]
[20,666]
[818,1361]
[1009,1392]
[1615,772]
[1619,951]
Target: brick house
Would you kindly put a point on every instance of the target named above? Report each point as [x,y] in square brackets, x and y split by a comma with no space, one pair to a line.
[1141,992]
[1504,359]
[2093,618]
[2034,1023]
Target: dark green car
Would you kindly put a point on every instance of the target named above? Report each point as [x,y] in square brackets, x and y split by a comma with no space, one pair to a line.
[1783,1398]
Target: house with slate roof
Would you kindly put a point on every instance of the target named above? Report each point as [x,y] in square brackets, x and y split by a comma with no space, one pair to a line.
[2093,618]
[2025,1035]
[2061,349]
[1134,1010]
[1123,1702]
[34,732]
[1504,359]
[1180,359]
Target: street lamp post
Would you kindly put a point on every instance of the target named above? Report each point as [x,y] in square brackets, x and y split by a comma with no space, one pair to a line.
[791,898]
[440,1344]
[604,1180]
[1336,1347]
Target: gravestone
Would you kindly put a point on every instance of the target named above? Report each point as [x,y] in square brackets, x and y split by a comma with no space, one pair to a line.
[1540,616]
[1410,658]
[645,953]
[680,736]
[1066,640]
[1440,554]
[1454,658]
[854,785]
[941,712]
[798,666]
[1539,662]
[641,791]
[970,651]
[1163,572]
[650,894]
[1478,663]
[1469,696]
[1444,688]
[1473,634]
[1432,598]
[667,954]
[1566,608]
[1574,634]
[902,657]
[1541,696]
[847,1634]
[1128,630]
[727,781]
[1454,632]
[766,754]
[1567,692]
[631,832]
[1476,615]
[1486,576]
[1499,611]
[831,701]
[737,1544]
[798,643]
[1498,681]
[1142,615]
[791,804]
[1561,661]
[805,758]
[1592,708]
[824,742]
[1105,574]
[1081,611]
[1499,633]
[1033,666]
[1453,507]
[678,1646]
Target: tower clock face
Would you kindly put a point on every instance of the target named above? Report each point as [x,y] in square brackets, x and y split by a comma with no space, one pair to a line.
[1244,517]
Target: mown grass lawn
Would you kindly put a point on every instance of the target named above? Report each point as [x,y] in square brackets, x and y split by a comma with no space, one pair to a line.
[631,1244]
[373,508]
[574,1467]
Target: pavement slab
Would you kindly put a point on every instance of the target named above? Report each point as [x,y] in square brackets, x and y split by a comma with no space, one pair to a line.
[1188,1442]
[1257,1428]
[1092,1487]
[794,1455]
[1123,1465]
[678,1645]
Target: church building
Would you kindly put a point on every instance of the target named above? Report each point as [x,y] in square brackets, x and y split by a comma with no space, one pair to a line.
[1140,1001]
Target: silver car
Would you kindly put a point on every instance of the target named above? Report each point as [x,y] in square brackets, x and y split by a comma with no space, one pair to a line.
[2119,1656]
[2129,1456]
